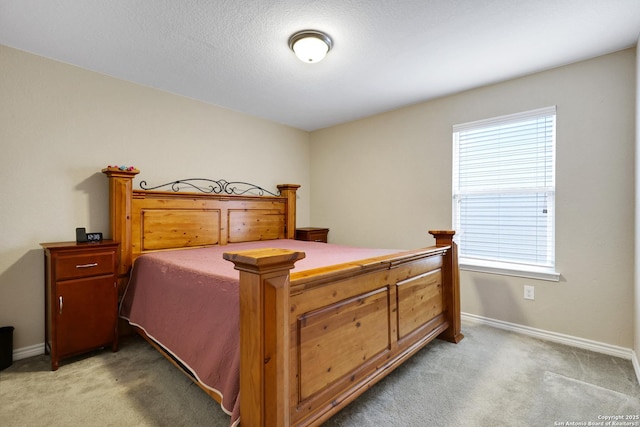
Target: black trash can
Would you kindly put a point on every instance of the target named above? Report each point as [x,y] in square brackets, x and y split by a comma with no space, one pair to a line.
[6,347]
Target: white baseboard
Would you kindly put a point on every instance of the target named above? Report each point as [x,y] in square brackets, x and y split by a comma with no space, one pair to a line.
[32,350]
[636,364]
[599,347]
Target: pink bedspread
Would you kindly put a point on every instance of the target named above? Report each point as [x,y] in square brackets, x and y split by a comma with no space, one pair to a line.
[187,301]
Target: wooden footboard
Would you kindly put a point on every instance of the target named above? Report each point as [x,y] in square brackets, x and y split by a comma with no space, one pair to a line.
[314,341]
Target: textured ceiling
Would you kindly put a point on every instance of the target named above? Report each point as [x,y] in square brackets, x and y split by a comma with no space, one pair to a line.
[387,53]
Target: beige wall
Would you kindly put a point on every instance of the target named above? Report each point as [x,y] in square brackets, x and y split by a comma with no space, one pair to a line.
[60,125]
[381,181]
[386,180]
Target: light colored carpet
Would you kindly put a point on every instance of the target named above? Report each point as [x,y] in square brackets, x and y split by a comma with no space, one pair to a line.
[134,387]
[498,378]
[491,378]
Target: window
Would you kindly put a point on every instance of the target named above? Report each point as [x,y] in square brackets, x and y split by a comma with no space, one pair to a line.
[504,194]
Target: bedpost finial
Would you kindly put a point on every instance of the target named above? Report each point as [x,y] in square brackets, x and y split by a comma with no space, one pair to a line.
[120,171]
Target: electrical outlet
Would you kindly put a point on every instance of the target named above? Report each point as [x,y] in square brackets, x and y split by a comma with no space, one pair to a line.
[529,292]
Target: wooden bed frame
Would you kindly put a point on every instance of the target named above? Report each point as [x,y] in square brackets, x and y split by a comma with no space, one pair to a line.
[311,341]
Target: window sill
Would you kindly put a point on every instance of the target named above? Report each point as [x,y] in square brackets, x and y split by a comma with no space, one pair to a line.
[509,269]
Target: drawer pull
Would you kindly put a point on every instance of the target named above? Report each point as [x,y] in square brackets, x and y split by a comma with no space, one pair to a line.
[93,264]
[60,299]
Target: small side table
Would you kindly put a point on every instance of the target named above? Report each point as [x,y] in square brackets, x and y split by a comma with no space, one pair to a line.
[81,298]
[312,234]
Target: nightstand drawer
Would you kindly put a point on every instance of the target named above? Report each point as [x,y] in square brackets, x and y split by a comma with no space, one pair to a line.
[85,265]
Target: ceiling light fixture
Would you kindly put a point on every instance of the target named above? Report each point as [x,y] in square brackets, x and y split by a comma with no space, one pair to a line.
[310,45]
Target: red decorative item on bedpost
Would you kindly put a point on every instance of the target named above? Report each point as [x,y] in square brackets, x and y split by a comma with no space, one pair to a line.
[452,275]
[264,334]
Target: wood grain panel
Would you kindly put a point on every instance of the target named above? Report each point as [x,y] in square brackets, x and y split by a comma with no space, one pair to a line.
[179,228]
[337,339]
[419,301]
[247,225]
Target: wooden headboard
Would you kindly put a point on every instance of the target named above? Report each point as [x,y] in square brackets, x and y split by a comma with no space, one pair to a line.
[150,220]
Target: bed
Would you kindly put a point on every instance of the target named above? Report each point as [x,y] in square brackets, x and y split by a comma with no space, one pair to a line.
[313,335]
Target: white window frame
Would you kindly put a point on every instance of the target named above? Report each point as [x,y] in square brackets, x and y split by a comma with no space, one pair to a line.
[544,270]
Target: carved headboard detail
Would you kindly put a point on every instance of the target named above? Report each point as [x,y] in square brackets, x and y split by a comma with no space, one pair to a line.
[224,212]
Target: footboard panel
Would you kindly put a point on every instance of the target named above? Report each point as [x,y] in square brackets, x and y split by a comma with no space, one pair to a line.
[419,301]
[347,334]
[313,341]
[335,341]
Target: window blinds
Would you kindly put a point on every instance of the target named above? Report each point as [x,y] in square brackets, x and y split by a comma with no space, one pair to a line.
[504,188]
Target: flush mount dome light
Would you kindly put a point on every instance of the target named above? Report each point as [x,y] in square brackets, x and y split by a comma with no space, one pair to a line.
[310,45]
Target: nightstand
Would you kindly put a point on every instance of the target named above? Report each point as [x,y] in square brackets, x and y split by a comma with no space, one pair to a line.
[81,298]
[312,234]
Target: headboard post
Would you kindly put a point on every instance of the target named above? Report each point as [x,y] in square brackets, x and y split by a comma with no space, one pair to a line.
[289,191]
[120,200]
[452,298]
